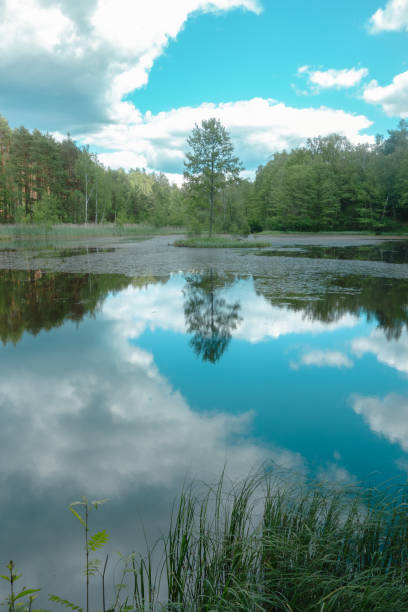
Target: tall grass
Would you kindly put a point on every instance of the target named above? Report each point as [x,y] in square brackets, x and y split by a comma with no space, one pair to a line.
[270,544]
[70,230]
[260,545]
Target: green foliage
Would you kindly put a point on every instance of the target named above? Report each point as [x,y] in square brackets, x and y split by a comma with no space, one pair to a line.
[44,181]
[210,164]
[80,510]
[98,540]
[65,602]
[332,185]
[220,243]
[14,596]
[194,228]
[46,211]
[326,185]
[272,542]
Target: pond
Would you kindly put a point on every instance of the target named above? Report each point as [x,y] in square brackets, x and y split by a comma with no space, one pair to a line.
[132,367]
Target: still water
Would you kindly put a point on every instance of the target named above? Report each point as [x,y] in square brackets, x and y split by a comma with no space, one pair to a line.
[128,386]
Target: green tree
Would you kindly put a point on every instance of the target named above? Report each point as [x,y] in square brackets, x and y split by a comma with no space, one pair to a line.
[211,162]
[7,185]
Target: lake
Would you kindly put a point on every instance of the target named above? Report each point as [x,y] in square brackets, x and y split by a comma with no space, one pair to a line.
[131,367]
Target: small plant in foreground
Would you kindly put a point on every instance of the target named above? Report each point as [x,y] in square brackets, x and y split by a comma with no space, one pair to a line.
[17,600]
[271,543]
[92,543]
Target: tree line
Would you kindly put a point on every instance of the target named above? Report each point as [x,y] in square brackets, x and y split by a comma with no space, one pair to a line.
[42,180]
[331,184]
[327,184]
[32,301]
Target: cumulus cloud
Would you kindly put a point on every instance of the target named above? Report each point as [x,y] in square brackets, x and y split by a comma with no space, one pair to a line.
[52,28]
[332,78]
[333,473]
[387,417]
[68,65]
[258,127]
[393,353]
[111,419]
[162,307]
[393,98]
[78,59]
[393,17]
[331,359]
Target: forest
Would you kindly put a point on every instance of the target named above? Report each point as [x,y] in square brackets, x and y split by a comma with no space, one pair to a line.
[329,184]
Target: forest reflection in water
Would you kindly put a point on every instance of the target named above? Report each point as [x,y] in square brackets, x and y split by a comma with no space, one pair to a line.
[114,386]
[31,301]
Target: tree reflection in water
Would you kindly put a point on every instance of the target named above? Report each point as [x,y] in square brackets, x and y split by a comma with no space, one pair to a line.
[208,315]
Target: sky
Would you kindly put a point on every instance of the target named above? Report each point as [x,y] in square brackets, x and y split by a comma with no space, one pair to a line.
[131,78]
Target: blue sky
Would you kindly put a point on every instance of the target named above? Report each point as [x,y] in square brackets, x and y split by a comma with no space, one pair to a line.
[132,77]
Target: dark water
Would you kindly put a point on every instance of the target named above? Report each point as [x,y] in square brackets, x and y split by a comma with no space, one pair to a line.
[126,386]
[388,252]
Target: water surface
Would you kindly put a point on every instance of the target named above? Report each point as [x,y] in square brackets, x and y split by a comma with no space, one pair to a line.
[125,385]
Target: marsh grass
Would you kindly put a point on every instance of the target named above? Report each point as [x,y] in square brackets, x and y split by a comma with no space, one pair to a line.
[220,243]
[68,231]
[261,545]
[273,543]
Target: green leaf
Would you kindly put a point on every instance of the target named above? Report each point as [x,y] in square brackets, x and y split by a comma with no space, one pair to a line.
[64,602]
[93,566]
[99,502]
[5,577]
[98,540]
[75,513]
[25,592]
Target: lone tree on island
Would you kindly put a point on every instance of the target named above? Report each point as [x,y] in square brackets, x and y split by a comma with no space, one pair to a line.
[210,163]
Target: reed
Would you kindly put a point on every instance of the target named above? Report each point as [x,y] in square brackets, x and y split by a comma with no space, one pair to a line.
[264,545]
[69,231]
[269,543]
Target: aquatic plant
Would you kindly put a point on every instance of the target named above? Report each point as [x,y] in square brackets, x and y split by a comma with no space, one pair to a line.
[264,544]
[269,543]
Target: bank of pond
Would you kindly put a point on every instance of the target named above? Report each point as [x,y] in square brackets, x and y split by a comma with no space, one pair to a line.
[272,542]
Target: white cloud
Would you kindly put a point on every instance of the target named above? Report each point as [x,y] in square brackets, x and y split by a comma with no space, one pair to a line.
[258,127]
[81,59]
[26,22]
[393,98]
[326,359]
[158,306]
[86,56]
[387,417]
[393,17]
[122,159]
[332,78]
[393,353]
[333,473]
[107,401]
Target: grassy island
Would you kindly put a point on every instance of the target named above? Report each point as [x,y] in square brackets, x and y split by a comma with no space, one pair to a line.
[216,242]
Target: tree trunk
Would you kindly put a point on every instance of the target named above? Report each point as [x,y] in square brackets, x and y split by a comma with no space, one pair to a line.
[211,213]
[86,199]
[211,199]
